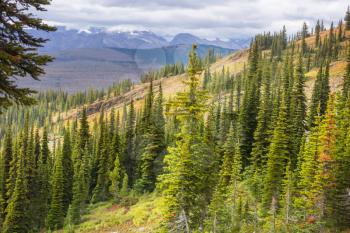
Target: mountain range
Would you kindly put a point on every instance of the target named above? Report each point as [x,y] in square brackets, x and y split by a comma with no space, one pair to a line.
[98,58]
[64,39]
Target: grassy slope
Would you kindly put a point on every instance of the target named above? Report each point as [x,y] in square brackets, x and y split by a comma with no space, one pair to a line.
[144,216]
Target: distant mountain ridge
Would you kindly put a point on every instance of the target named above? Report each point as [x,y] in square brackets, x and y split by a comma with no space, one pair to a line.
[97,58]
[65,39]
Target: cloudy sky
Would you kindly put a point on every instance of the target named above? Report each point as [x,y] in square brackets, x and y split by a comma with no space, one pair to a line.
[205,18]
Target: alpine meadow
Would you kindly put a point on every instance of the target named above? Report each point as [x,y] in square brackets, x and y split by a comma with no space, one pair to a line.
[244,134]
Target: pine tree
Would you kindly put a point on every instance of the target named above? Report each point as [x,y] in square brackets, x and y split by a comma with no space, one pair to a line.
[324,177]
[17,218]
[115,177]
[341,201]
[276,159]
[56,213]
[45,153]
[304,35]
[20,56]
[124,191]
[308,167]
[40,201]
[319,95]
[250,104]
[315,99]
[128,157]
[100,192]
[37,147]
[67,165]
[7,157]
[262,132]
[298,111]
[80,185]
[317,33]
[84,134]
[347,19]
[325,90]
[186,179]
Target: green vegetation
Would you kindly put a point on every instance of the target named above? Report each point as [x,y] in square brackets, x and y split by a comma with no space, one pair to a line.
[231,152]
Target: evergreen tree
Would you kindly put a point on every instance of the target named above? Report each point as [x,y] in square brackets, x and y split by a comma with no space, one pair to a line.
[341,201]
[100,192]
[45,153]
[315,99]
[67,165]
[20,56]
[298,111]
[277,157]
[115,177]
[262,132]
[324,177]
[56,213]
[128,157]
[186,178]
[308,167]
[304,35]
[84,134]
[7,157]
[347,19]
[250,104]
[317,33]
[17,218]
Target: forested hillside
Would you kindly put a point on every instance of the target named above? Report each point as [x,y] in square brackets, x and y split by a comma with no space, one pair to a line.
[258,141]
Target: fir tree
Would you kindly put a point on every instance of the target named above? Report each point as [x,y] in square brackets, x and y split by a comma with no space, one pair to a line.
[20,56]
[317,33]
[341,201]
[298,111]
[67,165]
[276,159]
[100,192]
[17,218]
[128,157]
[347,19]
[115,177]
[7,157]
[324,177]
[262,132]
[250,104]
[185,180]
[56,213]
[308,167]
[304,35]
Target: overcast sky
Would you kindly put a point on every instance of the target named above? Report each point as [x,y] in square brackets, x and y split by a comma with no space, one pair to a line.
[205,18]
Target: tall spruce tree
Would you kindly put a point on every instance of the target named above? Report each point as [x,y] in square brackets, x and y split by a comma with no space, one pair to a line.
[262,132]
[100,192]
[56,213]
[250,104]
[17,217]
[298,111]
[67,165]
[186,178]
[128,157]
[277,158]
[347,19]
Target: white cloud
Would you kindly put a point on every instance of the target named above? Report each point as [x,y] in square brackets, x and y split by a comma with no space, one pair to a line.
[207,18]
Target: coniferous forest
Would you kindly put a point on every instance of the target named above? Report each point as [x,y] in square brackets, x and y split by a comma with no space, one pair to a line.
[260,150]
